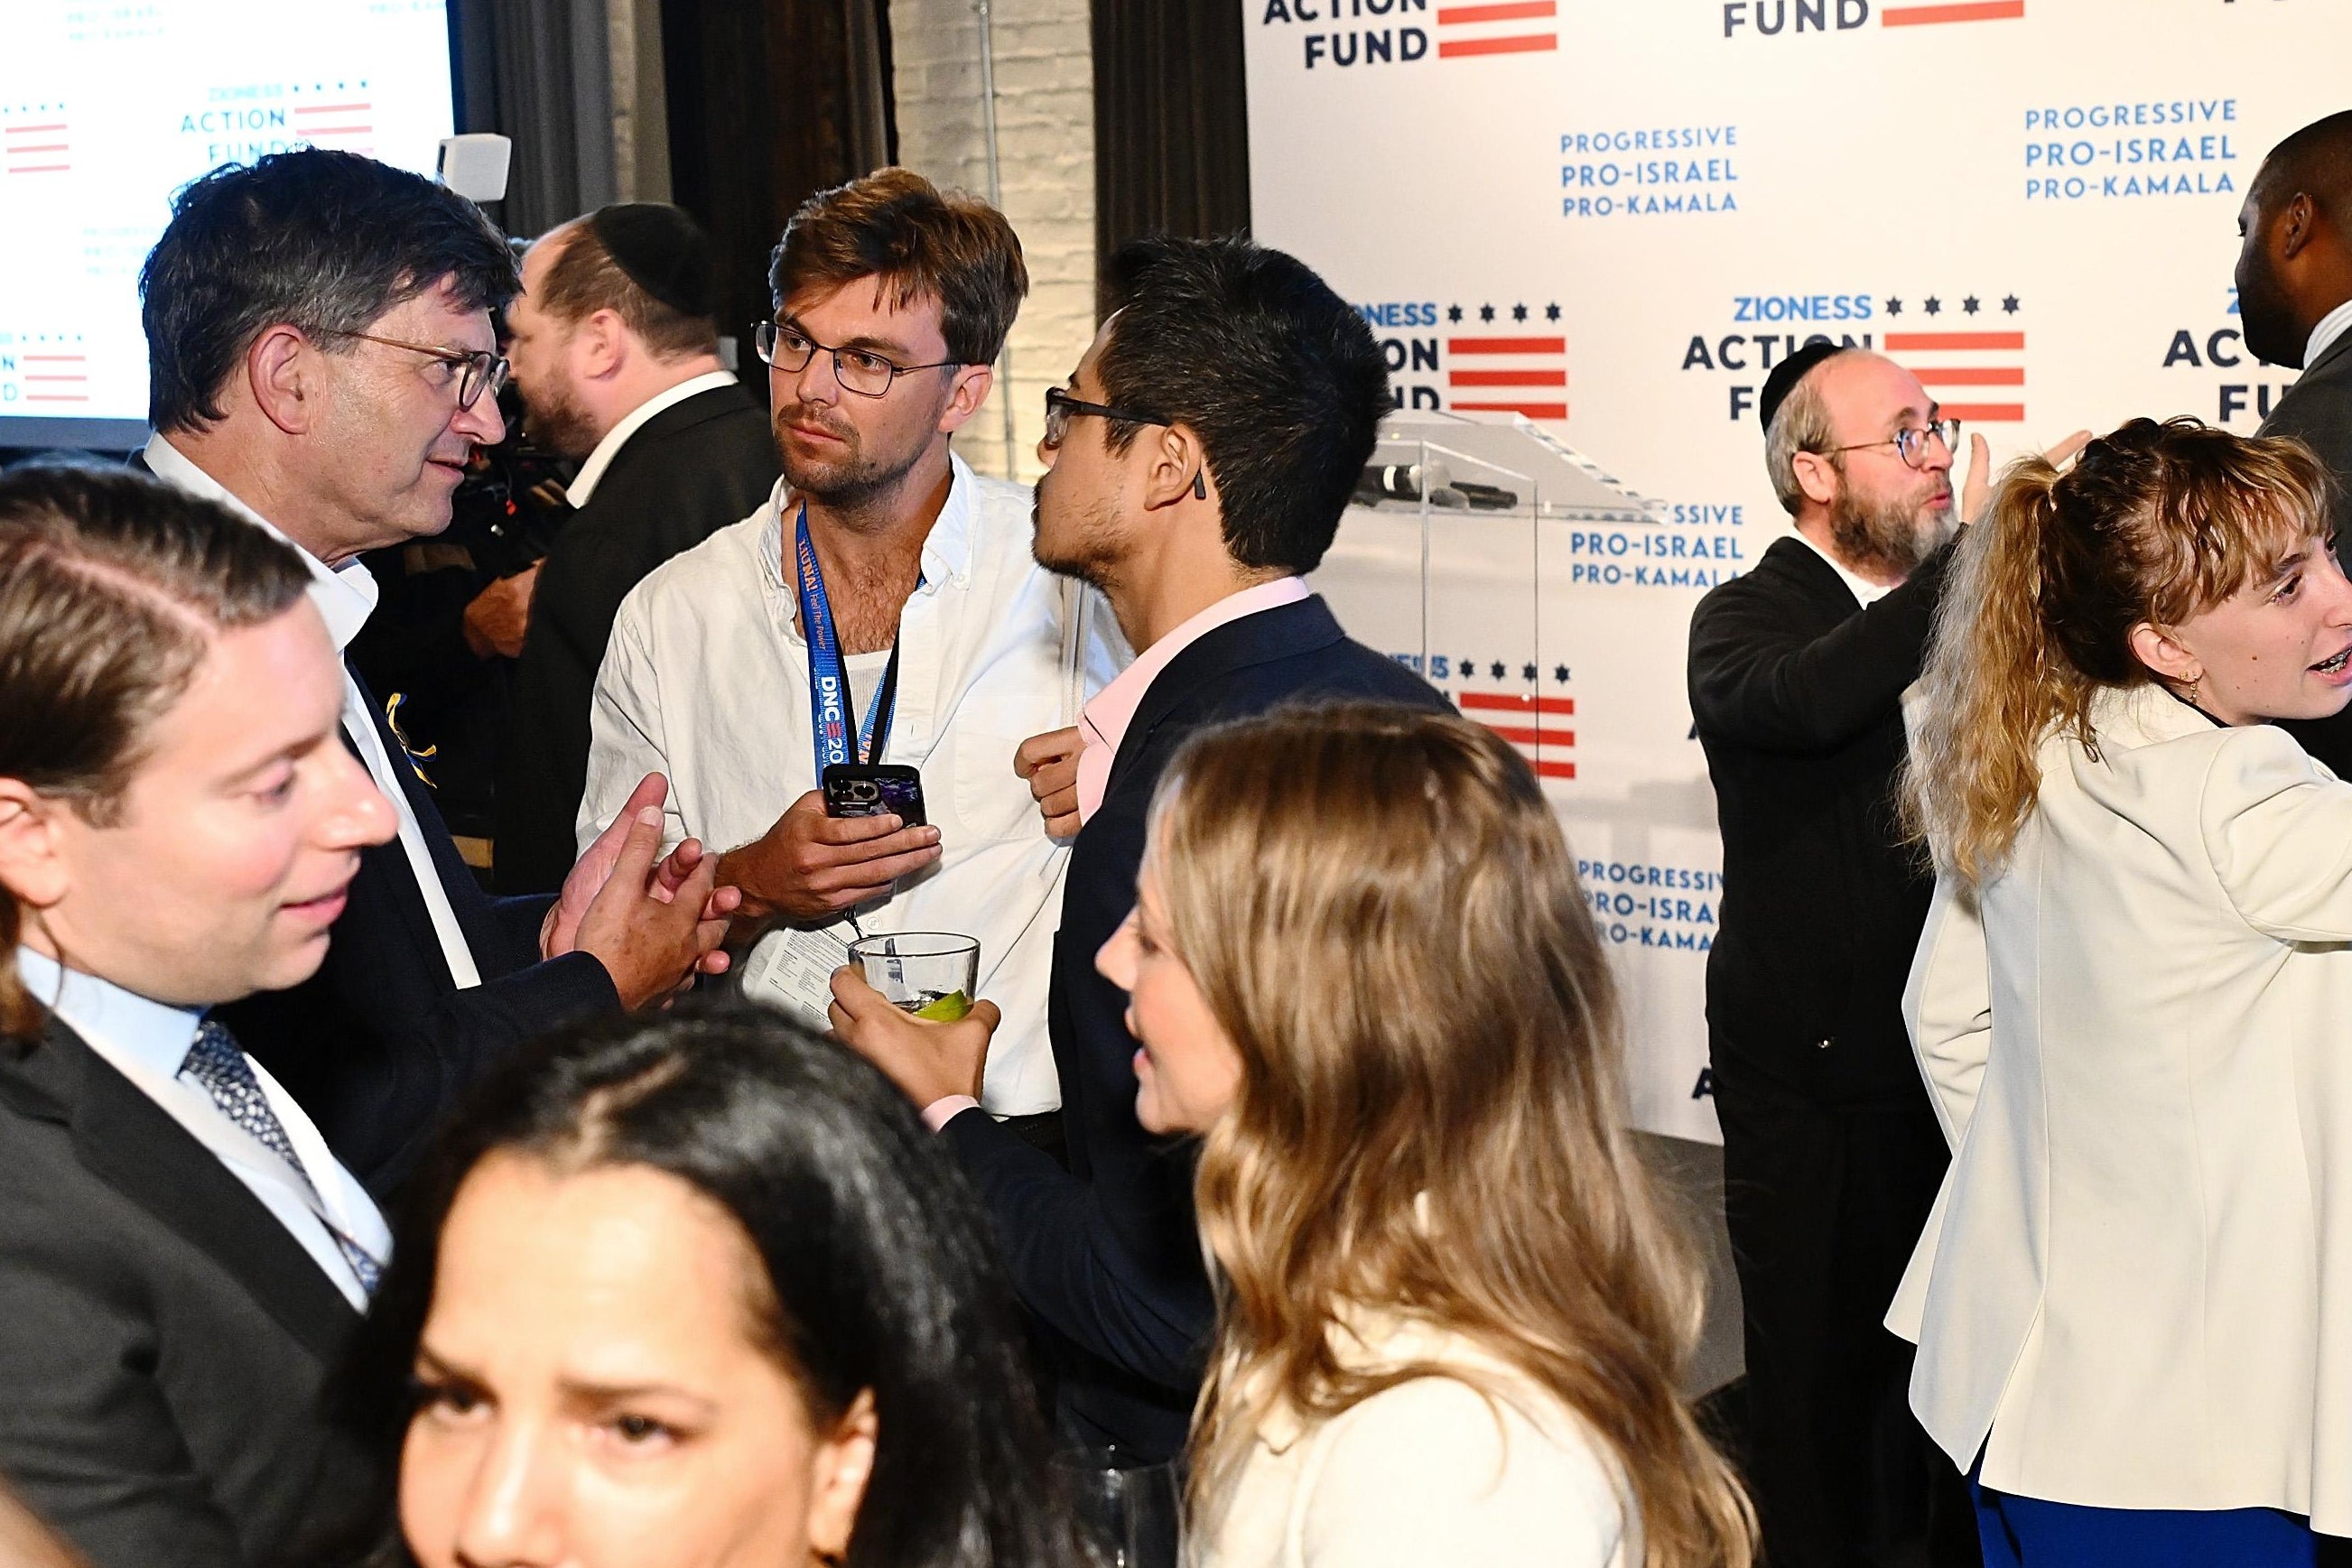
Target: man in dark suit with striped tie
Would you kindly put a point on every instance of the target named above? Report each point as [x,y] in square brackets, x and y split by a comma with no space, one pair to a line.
[323,363]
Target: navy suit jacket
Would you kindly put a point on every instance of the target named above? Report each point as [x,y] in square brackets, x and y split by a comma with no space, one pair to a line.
[1106,1254]
[163,1339]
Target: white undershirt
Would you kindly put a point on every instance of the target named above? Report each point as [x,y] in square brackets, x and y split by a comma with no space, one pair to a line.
[1864,590]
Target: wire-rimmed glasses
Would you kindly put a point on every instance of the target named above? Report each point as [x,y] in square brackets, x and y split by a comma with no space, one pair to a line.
[1911,446]
[478,369]
[859,370]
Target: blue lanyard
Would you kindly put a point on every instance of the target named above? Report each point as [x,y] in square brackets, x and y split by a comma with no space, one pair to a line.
[831,702]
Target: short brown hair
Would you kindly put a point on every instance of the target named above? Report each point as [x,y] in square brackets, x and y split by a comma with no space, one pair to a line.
[920,241]
[583,279]
[111,588]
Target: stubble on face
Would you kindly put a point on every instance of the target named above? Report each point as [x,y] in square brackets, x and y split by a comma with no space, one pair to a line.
[1082,542]
[1892,535]
[554,419]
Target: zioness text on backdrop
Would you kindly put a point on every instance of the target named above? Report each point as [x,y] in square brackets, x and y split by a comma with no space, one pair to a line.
[1617,215]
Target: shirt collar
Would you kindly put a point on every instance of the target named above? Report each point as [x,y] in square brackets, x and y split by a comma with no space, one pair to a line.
[1864,590]
[1113,708]
[947,550]
[345,595]
[2331,327]
[591,472]
[156,1035]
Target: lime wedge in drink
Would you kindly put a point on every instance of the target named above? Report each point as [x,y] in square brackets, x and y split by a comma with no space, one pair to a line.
[945,1009]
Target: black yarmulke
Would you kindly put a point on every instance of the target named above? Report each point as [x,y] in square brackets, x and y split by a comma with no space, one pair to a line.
[663,252]
[1788,373]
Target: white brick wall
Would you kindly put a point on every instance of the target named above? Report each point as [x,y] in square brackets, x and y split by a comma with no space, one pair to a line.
[1045,145]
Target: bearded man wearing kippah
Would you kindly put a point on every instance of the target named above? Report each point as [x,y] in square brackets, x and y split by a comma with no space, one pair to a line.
[616,356]
[1831,1155]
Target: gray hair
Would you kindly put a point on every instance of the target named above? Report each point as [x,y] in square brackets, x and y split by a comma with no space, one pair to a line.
[1801,423]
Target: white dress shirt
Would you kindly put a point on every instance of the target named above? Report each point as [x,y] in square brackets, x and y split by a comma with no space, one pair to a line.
[1864,590]
[147,1042]
[591,472]
[345,597]
[2135,1290]
[707,679]
[1431,1469]
[2331,327]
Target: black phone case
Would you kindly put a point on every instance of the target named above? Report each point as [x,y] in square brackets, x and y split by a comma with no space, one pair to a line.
[867,789]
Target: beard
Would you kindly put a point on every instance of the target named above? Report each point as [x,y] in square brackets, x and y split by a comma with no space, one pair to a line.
[1090,555]
[1892,535]
[849,483]
[554,420]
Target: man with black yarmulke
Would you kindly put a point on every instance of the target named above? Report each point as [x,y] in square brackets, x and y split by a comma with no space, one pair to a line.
[616,357]
[1832,1155]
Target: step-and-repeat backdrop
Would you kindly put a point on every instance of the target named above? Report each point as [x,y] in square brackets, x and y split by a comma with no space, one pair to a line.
[1615,216]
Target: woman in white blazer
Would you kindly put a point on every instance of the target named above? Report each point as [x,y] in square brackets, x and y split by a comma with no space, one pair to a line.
[2133,1005]
[1452,1320]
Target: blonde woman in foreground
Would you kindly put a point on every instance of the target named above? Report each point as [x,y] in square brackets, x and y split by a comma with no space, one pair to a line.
[1452,1316]
[2133,1003]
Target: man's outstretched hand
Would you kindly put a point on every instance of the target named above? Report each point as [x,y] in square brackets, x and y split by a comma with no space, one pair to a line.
[651,935]
[1977,488]
[927,1061]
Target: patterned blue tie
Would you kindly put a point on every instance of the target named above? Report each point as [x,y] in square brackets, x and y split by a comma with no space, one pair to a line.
[216,1065]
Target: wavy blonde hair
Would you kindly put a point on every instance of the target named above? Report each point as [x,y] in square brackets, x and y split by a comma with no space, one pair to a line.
[2155,523]
[1381,913]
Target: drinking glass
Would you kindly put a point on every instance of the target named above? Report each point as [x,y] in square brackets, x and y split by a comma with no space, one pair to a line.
[930,974]
[1126,1504]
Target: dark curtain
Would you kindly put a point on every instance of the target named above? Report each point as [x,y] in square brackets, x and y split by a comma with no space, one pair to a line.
[539,71]
[770,102]
[1171,120]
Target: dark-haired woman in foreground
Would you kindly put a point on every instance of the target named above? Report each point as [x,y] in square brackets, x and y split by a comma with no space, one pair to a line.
[1453,1317]
[702,1293]
[2133,1001]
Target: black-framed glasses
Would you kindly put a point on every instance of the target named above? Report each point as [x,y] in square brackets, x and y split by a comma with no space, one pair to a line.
[1911,446]
[478,369]
[790,349]
[1061,408]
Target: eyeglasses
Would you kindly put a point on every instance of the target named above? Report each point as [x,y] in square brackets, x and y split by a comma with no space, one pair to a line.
[868,375]
[1912,445]
[1061,408]
[478,369]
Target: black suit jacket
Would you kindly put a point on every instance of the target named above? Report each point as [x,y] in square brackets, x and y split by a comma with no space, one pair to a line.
[378,1043]
[689,471]
[1106,1254]
[2317,411]
[1797,692]
[163,1339]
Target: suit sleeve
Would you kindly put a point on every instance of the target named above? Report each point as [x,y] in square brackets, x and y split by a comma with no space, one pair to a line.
[1756,677]
[1947,1006]
[625,740]
[2279,833]
[87,1440]
[1070,1268]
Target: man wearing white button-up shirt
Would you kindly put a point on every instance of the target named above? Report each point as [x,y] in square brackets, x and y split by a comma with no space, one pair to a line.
[181,1255]
[953,643]
[321,360]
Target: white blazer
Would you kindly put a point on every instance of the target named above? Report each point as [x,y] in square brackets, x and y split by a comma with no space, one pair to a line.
[1431,1470]
[2137,1278]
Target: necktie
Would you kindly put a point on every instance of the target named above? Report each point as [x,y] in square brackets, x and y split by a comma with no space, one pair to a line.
[217,1065]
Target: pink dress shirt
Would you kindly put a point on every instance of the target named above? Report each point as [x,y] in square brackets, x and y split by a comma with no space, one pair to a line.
[1104,723]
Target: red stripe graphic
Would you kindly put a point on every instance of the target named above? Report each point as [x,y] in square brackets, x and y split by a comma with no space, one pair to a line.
[1987,412]
[1971,376]
[1507,345]
[1971,11]
[333,107]
[35,129]
[1555,411]
[1898,342]
[1531,44]
[1505,702]
[1516,11]
[1529,378]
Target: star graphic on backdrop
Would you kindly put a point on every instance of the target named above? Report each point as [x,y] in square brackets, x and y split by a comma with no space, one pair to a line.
[1970,305]
[1485,312]
[1495,669]
[1559,674]
[1551,313]
[1527,672]
[1894,306]
[1454,312]
[1518,312]
[1468,667]
[2009,304]
[1934,306]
